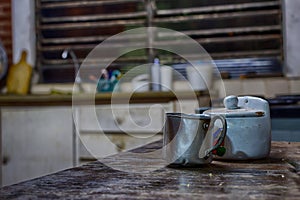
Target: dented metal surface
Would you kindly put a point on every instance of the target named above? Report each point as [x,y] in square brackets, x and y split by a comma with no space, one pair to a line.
[188,138]
[248,127]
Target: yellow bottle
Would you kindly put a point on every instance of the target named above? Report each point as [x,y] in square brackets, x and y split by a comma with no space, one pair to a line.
[19,76]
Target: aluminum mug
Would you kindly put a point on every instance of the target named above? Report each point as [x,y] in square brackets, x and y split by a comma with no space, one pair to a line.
[190,139]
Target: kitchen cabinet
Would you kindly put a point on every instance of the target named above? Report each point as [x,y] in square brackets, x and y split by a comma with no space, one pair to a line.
[125,128]
[38,140]
[121,117]
[38,136]
[35,142]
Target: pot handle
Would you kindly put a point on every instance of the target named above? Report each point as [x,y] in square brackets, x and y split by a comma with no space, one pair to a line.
[220,134]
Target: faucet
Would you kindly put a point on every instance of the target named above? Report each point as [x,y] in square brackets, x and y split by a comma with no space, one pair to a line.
[78,80]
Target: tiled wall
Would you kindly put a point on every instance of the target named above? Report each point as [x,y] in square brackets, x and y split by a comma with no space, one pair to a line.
[5,27]
[267,87]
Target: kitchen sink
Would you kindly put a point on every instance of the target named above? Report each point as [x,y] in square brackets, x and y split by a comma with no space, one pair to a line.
[285,118]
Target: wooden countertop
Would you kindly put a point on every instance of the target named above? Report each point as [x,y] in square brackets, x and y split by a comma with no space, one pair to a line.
[99,98]
[277,177]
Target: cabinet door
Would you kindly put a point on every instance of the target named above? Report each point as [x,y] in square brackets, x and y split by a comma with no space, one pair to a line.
[99,145]
[141,118]
[119,130]
[35,142]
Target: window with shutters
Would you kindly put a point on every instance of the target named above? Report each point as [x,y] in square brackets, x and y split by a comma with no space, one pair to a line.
[242,36]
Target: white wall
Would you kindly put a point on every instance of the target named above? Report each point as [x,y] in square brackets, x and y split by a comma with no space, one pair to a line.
[291,25]
[23,28]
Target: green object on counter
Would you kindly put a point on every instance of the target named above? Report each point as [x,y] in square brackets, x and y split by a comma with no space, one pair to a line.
[55,91]
[108,85]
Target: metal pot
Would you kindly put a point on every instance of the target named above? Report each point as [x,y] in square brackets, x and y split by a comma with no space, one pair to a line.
[248,127]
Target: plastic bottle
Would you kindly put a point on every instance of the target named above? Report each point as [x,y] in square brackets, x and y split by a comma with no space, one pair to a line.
[155,75]
[19,76]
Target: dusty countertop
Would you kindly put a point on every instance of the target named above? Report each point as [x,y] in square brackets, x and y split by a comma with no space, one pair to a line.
[277,177]
[98,98]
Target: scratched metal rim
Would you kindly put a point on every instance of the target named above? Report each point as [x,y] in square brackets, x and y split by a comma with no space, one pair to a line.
[189,116]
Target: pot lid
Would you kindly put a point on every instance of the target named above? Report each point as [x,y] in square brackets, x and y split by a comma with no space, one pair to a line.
[232,109]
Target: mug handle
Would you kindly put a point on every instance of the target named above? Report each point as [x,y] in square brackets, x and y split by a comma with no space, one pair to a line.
[222,135]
